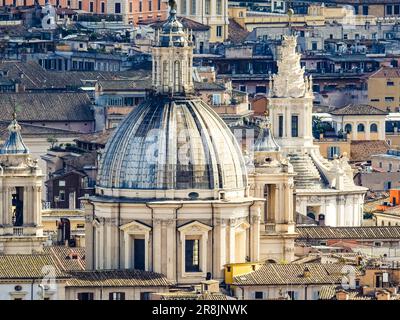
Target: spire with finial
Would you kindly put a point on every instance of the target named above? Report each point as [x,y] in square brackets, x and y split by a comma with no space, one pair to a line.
[14,143]
[290,14]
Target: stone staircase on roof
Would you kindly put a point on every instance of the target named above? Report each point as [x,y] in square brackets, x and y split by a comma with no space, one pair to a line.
[308,176]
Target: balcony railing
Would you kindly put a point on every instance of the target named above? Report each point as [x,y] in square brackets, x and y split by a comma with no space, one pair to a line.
[18,231]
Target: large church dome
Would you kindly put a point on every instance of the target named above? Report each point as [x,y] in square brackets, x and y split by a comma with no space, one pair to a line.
[172,143]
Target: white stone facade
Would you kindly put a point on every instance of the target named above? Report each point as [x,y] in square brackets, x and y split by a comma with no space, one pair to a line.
[227,233]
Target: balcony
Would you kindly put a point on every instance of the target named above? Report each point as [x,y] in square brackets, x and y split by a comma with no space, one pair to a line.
[270,228]
[18,231]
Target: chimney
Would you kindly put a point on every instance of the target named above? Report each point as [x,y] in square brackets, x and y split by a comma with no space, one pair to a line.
[383,295]
[367,290]
[342,295]
[306,272]
[210,286]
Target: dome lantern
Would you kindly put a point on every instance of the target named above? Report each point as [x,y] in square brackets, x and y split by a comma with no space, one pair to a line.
[173,57]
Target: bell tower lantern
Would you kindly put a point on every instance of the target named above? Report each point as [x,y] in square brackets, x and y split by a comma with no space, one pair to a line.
[20,196]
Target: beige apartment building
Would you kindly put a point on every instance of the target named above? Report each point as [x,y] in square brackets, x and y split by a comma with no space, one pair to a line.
[384,89]
[213,13]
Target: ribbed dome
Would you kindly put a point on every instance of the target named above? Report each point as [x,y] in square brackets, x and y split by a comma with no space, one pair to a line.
[172,143]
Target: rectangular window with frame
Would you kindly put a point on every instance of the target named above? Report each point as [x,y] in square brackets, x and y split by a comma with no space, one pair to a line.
[294,295]
[219,31]
[295,126]
[332,151]
[117,7]
[183,7]
[389,99]
[389,10]
[261,89]
[259,295]
[117,296]
[314,46]
[216,99]
[280,126]
[61,195]
[103,7]
[390,83]
[207,7]
[193,7]
[79,5]
[139,254]
[130,7]
[85,296]
[192,257]
[219,7]
[91,6]
[150,5]
[145,295]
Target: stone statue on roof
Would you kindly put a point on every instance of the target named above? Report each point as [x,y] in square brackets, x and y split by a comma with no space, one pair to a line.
[172,4]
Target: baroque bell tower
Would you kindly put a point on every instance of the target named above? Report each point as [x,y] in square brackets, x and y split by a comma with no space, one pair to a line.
[271,178]
[291,100]
[20,197]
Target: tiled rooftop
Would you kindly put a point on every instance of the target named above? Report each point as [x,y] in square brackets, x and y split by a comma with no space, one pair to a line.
[358,109]
[284,274]
[363,150]
[317,233]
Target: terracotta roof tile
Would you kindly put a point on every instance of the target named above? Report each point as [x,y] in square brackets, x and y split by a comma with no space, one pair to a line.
[280,274]
[237,34]
[386,72]
[363,150]
[46,106]
[23,266]
[358,109]
[67,259]
[117,278]
[317,233]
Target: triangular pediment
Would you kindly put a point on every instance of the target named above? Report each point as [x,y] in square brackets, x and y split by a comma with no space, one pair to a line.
[195,226]
[135,226]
